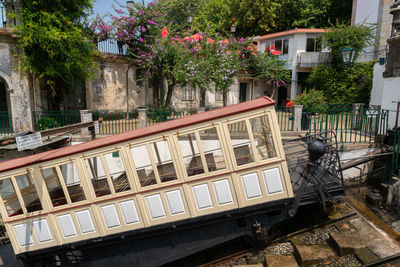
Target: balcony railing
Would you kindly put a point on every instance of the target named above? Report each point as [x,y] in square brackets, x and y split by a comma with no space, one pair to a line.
[312,59]
[112,47]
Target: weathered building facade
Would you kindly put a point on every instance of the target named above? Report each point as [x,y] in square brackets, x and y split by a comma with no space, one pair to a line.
[14,87]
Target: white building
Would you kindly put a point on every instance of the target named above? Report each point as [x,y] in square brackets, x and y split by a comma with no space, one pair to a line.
[301,49]
[374,13]
[385,90]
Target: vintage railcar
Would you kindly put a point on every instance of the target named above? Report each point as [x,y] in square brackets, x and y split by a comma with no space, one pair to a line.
[155,194]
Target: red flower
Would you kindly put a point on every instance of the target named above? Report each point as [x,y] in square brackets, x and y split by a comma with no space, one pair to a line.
[164,32]
[210,41]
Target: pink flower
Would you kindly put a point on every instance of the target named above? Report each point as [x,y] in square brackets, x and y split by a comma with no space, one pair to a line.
[151,22]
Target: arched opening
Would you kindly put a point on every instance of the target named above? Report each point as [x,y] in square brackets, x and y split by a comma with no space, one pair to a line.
[5,115]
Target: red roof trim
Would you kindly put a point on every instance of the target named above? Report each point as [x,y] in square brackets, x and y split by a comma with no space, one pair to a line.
[135,134]
[278,34]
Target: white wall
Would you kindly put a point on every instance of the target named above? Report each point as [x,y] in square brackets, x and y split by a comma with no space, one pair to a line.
[366,12]
[391,92]
[377,85]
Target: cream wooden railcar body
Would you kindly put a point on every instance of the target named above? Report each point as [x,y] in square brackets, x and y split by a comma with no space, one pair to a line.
[217,161]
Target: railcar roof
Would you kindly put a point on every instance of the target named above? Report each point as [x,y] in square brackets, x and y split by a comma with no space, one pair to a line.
[138,133]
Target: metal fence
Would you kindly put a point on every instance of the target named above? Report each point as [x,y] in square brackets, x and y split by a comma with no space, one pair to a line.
[5,123]
[115,121]
[112,121]
[157,116]
[350,125]
[112,47]
[48,119]
[285,118]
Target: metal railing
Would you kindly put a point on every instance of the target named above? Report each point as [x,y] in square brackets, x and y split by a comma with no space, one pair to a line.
[48,119]
[285,118]
[395,164]
[115,121]
[112,121]
[157,116]
[112,47]
[5,123]
[349,125]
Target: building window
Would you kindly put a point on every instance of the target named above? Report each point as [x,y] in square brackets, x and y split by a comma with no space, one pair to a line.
[285,49]
[189,93]
[278,45]
[314,44]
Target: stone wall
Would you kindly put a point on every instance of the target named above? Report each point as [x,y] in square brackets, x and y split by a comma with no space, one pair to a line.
[108,90]
[17,85]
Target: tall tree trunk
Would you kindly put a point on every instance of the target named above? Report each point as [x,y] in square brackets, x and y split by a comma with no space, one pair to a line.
[170,91]
[225,97]
[156,95]
[202,97]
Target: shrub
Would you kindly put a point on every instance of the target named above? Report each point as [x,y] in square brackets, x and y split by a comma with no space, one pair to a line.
[47,123]
[159,114]
[347,84]
[312,101]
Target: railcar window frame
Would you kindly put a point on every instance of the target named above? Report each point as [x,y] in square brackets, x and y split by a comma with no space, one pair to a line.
[61,183]
[196,131]
[110,183]
[148,144]
[257,157]
[18,194]
[82,178]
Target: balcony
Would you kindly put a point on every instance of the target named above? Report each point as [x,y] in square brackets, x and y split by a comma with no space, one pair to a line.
[112,47]
[312,59]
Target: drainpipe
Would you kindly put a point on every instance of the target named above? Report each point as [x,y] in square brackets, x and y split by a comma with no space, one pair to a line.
[127,89]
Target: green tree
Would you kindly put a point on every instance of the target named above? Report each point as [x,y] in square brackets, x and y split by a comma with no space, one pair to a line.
[251,17]
[55,45]
[258,17]
[341,36]
[176,13]
[341,83]
[311,13]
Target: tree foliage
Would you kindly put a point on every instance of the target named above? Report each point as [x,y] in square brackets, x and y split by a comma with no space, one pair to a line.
[257,17]
[312,13]
[346,84]
[55,45]
[251,17]
[342,36]
[340,83]
[176,13]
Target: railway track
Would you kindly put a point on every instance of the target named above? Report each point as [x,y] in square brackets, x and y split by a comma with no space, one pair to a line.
[294,241]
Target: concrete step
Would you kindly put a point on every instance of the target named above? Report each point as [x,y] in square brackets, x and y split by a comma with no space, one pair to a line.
[346,243]
[280,260]
[308,255]
[365,255]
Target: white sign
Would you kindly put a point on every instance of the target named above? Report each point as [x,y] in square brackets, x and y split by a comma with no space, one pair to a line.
[96,127]
[29,141]
[86,117]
